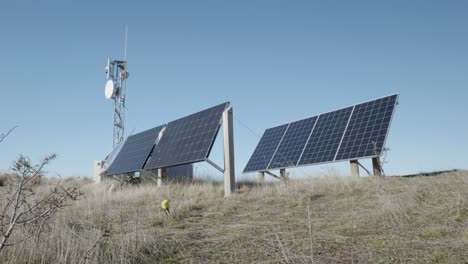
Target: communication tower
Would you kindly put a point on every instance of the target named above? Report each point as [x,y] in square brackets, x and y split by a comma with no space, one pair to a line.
[117,74]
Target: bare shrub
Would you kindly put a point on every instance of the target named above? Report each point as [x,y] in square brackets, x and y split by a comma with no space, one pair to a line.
[25,206]
[4,178]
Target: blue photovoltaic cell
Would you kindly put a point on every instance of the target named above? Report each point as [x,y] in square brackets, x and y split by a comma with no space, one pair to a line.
[187,140]
[367,129]
[265,148]
[134,152]
[293,143]
[326,137]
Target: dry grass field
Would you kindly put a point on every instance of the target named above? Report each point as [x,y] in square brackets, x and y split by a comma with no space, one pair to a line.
[318,220]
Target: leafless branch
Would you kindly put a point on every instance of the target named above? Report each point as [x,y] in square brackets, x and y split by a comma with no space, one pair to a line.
[5,135]
[106,232]
[26,206]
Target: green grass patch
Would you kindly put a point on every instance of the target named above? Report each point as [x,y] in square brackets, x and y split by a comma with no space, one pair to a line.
[434,233]
[440,256]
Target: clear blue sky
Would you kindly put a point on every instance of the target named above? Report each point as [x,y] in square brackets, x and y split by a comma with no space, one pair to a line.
[275,61]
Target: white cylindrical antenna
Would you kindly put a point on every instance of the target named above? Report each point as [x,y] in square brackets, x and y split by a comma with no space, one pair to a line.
[108,68]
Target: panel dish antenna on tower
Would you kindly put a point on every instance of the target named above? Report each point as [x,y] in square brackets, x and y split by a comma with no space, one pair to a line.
[110,90]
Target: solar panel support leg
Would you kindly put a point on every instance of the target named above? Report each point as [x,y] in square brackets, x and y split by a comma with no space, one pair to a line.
[161,176]
[283,174]
[354,168]
[229,173]
[216,166]
[376,166]
[273,175]
[261,176]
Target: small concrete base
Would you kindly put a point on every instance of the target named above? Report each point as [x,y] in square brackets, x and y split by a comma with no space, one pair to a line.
[354,164]
[98,171]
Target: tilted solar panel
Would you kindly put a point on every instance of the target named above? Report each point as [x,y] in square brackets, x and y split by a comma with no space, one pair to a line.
[353,132]
[367,130]
[134,152]
[326,136]
[290,148]
[266,148]
[188,139]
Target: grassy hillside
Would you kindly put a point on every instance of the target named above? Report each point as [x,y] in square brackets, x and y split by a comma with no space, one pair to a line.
[320,220]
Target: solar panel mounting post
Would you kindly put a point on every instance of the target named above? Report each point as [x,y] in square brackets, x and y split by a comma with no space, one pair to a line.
[377,169]
[161,176]
[229,172]
[261,176]
[354,164]
[283,174]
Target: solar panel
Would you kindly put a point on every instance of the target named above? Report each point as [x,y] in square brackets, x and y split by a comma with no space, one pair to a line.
[266,148]
[294,140]
[113,154]
[325,139]
[367,129]
[187,140]
[353,132]
[134,152]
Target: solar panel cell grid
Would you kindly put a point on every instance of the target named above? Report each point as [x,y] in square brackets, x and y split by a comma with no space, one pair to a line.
[326,137]
[367,129]
[134,152]
[188,139]
[292,144]
[265,148]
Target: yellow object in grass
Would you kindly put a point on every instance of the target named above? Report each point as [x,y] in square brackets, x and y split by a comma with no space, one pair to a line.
[165,204]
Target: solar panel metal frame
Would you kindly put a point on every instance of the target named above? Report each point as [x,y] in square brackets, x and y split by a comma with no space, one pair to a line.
[344,132]
[150,166]
[158,130]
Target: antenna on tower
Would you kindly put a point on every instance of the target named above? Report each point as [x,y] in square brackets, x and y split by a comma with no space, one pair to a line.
[117,74]
[126,34]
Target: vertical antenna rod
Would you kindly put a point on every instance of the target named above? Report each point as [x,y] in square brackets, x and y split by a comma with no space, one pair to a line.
[126,34]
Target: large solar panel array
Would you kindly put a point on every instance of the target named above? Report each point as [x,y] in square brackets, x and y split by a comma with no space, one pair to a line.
[183,141]
[353,132]
[134,152]
[188,140]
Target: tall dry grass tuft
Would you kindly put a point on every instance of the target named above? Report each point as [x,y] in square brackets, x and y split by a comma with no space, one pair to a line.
[4,178]
[315,220]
